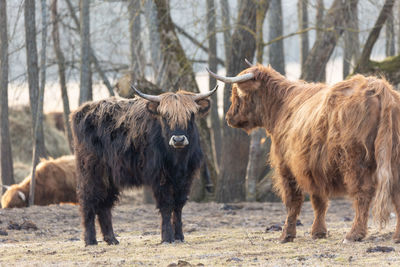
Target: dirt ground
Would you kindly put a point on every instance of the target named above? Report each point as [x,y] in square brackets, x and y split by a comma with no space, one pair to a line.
[215,235]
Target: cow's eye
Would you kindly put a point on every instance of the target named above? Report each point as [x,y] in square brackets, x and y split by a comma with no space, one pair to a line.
[237,104]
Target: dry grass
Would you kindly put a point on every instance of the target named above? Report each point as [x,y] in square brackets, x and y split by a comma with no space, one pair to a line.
[214,237]
[21,136]
[21,141]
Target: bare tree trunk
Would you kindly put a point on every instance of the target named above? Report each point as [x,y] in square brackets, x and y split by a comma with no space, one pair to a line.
[33,70]
[390,37]
[261,12]
[90,81]
[235,147]
[276,50]
[389,67]
[351,40]
[93,57]
[398,29]
[6,161]
[213,65]
[39,115]
[362,65]
[254,168]
[257,158]
[179,72]
[302,6]
[325,44]
[226,25]
[138,63]
[154,37]
[61,72]
[85,51]
[319,18]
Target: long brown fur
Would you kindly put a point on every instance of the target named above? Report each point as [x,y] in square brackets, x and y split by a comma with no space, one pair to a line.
[55,183]
[327,141]
[177,108]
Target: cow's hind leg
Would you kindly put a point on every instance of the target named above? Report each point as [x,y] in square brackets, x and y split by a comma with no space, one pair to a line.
[293,198]
[104,212]
[320,205]
[104,216]
[88,214]
[396,204]
[362,201]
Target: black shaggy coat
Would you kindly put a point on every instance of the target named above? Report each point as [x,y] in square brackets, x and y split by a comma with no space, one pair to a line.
[124,143]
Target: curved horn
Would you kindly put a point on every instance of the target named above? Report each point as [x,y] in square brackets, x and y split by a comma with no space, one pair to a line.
[5,186]
[21,195]
[249,63]
[237,79]
[154,98]
[205,95]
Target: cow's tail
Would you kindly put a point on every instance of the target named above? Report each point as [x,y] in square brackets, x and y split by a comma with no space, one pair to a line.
[383,154]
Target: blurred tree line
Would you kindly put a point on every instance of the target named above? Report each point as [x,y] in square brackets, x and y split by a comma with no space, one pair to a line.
[235,162]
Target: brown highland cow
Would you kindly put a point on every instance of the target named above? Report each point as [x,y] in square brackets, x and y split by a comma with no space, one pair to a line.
[55,183]
[327,141]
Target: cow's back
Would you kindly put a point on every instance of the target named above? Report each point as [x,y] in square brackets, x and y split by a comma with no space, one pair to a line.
[121,136]
[56,181]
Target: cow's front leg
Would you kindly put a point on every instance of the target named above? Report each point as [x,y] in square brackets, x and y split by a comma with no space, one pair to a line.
[177,221]
[293,198]
[165,204]
[167,234]
[88,216]
[180,197]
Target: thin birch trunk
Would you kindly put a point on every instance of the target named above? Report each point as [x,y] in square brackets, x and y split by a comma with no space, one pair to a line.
[6,161]
[39,115]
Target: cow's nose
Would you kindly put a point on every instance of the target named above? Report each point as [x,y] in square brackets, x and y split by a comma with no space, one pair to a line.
[178,141]
[178,138]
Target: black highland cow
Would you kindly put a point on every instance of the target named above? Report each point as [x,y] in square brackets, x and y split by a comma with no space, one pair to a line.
[152,140]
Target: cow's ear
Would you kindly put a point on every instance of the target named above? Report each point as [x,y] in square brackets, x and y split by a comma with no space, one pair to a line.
[152,107]
[204,106]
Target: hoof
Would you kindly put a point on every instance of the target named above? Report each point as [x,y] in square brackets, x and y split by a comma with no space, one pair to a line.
[111,241]
[319,235]
[179,237]
[353,238]
[286,239]
[167,237]
[90,242]
[347,241]
[396,240]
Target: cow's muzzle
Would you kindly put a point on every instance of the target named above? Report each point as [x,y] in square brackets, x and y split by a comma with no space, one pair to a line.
[178,141]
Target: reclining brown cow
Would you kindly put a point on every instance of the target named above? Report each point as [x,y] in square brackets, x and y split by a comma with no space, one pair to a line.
[55,183]
[327,141]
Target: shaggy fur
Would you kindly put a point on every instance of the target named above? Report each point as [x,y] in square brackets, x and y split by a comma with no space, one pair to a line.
[327,141]
[55,183]
[124,143]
